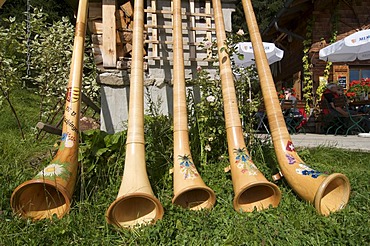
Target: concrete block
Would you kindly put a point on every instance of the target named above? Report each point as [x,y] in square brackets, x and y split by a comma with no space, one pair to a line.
[115,104]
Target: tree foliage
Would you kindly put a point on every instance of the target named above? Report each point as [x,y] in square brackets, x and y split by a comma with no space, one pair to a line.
[264,10]
[11,49]
[36,51]
[11,68]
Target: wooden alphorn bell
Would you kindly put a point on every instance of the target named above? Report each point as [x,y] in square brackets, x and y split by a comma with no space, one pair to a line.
[327,193]
[252,190]
[189,188]
[135,203]
[50,191]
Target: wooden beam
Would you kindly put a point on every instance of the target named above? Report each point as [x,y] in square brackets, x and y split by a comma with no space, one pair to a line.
[154,29]
[209,25]
[48,128]
[109,34]
[192,33]
[95,11]
[90,103]
[187,28]
[170,12]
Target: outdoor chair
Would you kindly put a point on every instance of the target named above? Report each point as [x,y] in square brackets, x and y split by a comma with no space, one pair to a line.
[332,122]
[89,118]
[261,117]
[336,123]
[355,122]
[293,116]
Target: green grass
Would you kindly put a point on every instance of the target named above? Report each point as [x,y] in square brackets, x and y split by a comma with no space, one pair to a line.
[293,222]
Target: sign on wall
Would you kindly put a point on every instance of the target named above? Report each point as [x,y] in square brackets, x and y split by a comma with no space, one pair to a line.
[341,75]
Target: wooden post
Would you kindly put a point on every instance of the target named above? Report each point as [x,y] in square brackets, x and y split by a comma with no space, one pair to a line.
[154,29]
[209,25]
[192,34]
[109,33]
[297,85]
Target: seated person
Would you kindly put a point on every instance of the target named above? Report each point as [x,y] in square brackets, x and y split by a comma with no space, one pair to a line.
[288,95]
[331,94]
[296,117]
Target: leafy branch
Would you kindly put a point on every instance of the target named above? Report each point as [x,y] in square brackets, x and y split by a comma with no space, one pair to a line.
[307,71]
[10,63]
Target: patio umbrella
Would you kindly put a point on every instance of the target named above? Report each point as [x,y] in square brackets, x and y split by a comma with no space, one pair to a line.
[273,54]
[355,46]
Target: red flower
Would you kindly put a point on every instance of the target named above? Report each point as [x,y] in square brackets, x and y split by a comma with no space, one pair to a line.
[357,87]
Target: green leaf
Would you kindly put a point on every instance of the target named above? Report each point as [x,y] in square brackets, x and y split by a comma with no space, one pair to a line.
[101,151]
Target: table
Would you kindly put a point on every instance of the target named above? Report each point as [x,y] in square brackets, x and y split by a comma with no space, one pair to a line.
[359,103]
[360,106]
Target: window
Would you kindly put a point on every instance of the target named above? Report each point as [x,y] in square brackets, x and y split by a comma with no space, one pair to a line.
[357,73]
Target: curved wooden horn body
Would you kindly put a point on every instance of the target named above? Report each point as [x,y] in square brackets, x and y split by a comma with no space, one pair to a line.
[252,189]
[135,203]
[50,191]
[189,188]
[327,193]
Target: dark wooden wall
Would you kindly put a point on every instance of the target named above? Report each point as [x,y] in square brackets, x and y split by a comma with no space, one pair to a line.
[344,16]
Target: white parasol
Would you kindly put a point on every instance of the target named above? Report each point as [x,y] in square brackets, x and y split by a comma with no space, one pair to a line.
[355,46]
[244,51]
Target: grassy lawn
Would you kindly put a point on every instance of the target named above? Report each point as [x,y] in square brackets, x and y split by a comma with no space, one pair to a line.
[293,222]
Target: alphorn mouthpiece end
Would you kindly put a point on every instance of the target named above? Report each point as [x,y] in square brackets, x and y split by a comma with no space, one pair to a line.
[40,200]
[333,194]
[134,210]
[195,197]
[258,195]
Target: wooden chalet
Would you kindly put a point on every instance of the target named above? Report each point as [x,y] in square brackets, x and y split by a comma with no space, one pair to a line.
[316,23]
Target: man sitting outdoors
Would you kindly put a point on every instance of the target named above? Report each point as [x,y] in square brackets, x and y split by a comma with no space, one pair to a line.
[334,92]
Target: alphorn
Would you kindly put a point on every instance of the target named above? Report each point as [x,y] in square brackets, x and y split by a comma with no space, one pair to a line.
[327,193]
[2,2]
[189,188]
[252,190]
[50,191]
[135,203]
